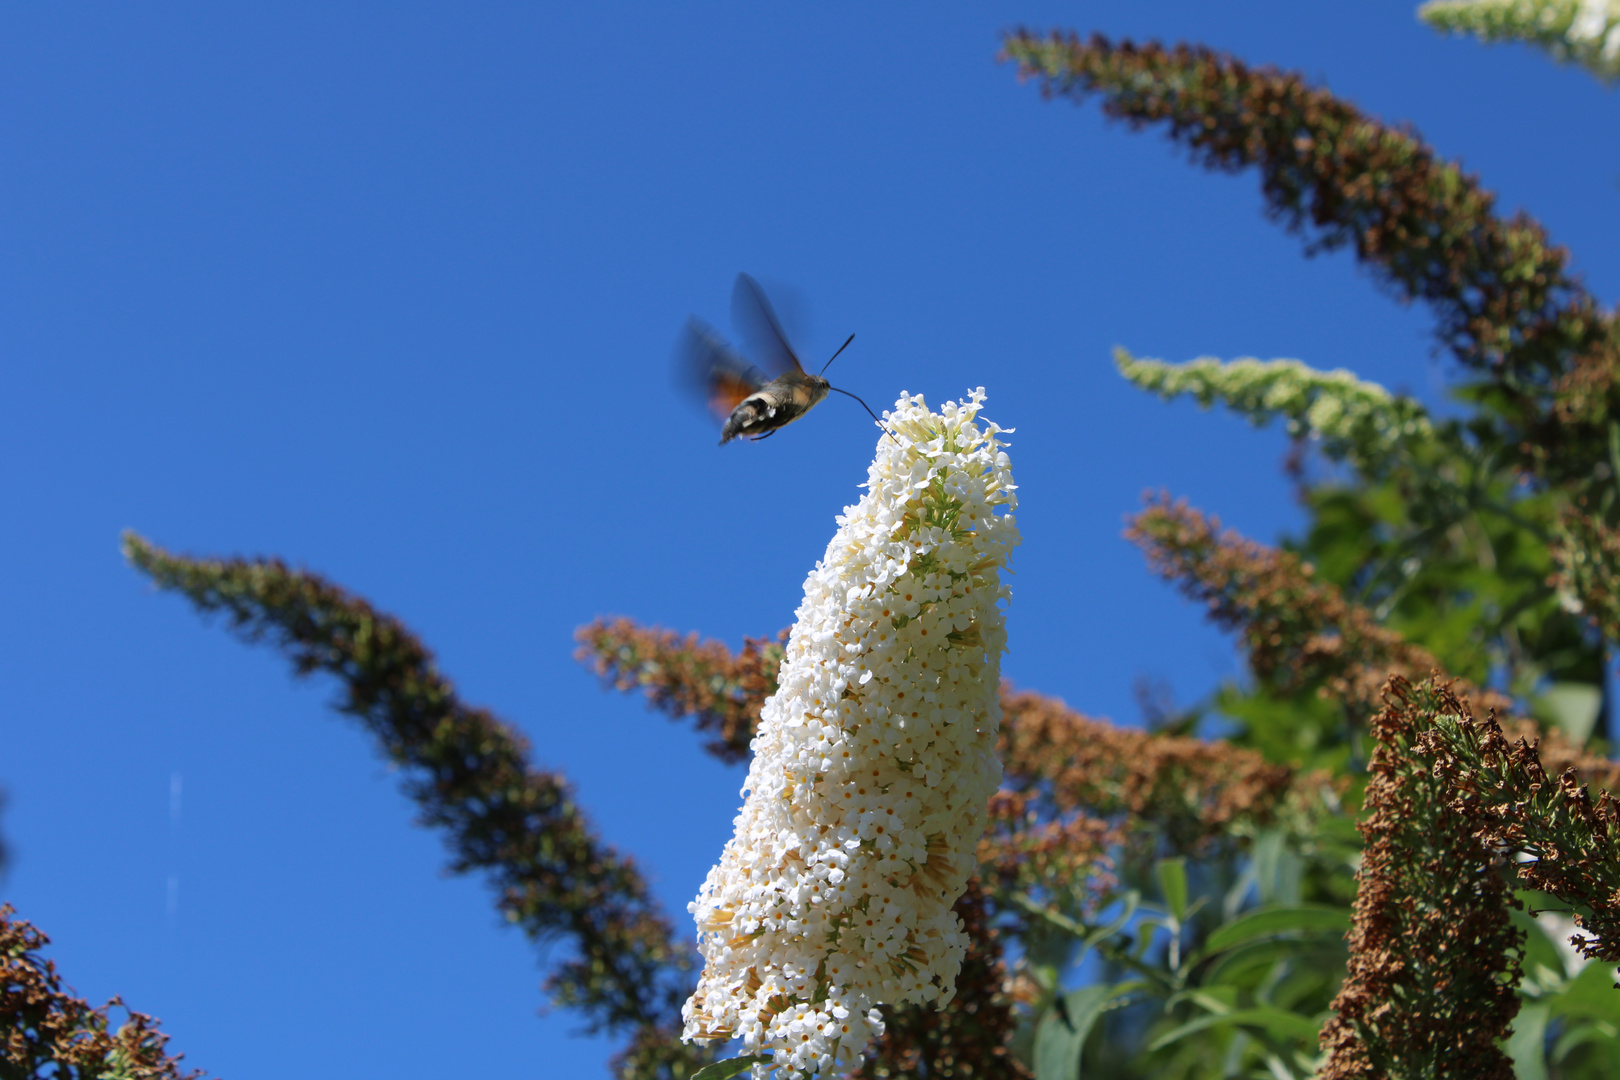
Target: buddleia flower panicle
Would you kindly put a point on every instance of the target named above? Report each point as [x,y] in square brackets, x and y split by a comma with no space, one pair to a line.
[873,763]
[1586,32]
[1353,419]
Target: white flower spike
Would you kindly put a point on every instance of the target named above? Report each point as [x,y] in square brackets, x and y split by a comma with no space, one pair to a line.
[873,761]
[1584,31]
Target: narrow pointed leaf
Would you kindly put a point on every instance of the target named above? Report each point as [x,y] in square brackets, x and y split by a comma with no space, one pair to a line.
[1278,1023]
[1173,882]
[1289,919]
[725,1070]
[1062,1034]
[1526,1046]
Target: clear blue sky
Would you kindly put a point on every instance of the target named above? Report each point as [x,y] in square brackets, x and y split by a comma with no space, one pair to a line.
[391,291]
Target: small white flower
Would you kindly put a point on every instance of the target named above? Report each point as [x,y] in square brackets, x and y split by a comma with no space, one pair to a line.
[873,762]
[1591,21]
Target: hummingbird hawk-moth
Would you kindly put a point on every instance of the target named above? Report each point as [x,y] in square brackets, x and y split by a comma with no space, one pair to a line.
[753,400]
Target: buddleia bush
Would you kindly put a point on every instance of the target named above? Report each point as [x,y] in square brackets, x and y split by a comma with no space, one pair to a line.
[1398,859]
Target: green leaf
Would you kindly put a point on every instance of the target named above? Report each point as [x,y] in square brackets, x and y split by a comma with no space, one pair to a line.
[725,1070]
[1285,919]
[1573,706]
[1212,999]
[1172,875]
[1526,1046]
[1245,965]
[1276,869]
[1278,1023]
[1063,1030]
[1590,994]
[1578,1035]
[1128,904]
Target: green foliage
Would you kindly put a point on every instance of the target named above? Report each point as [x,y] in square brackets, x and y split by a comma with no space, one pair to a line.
[725,1070]
[1060,1038]
[1267,921]
[1583,1013]
[1435,533]
[1199,980]
[1448,547]
[1307,728]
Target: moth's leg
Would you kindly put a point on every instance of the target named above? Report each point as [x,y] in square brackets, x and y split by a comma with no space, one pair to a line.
[767,435]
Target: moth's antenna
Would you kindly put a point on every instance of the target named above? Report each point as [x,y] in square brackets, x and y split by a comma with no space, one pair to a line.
[834,356]
[846,393]
[864,405]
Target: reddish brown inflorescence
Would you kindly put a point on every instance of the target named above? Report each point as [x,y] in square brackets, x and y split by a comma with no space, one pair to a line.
[1301,632]
[1189,790]
[685,676]
[1297,631]
[1561,840]
[46,1027]
[470,774]
[1506,302]
[1434,955]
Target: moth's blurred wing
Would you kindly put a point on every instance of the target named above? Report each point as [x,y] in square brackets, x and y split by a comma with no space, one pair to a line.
[712,372]
[755,320]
